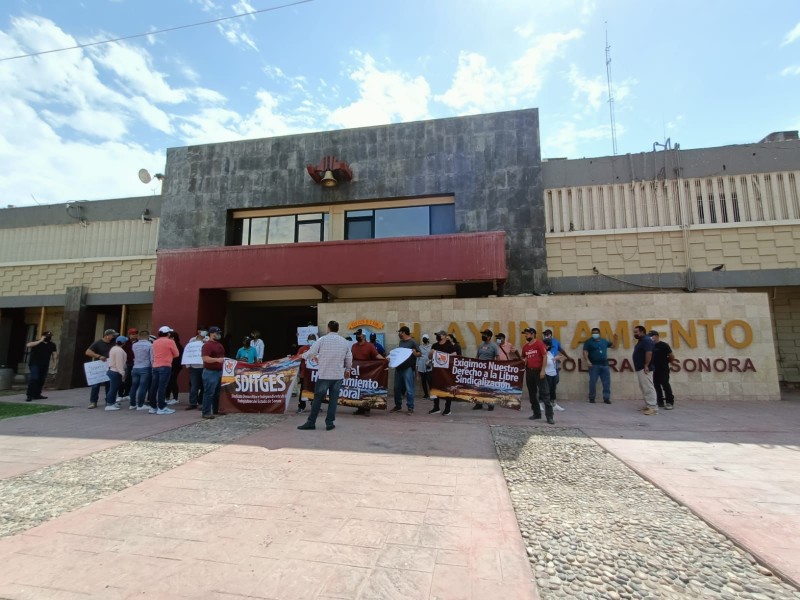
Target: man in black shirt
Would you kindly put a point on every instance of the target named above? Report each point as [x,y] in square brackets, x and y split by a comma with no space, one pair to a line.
[99,351]
[443,344]
[42,351]
[662,357]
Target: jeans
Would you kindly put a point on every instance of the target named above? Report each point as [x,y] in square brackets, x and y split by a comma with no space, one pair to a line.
[538,392]
[603,372]
[552,382]
[115,379]
[211,382]
[36,376]
[425,378]
[196,386]
[140,383]
[172,388]
[404,384]
[646,386]
[95,393]
[125,387]
[158,387]
[329,387]
[663,388]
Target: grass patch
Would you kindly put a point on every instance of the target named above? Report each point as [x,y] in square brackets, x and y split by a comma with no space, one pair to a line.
[12,409]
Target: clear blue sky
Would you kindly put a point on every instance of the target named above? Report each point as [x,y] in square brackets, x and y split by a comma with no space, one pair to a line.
[80,124]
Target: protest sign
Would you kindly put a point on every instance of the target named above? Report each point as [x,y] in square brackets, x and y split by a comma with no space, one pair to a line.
[473,380]
[364,385]
[398,356]
[258,388]
[304,332]
[96,372]
[192,353]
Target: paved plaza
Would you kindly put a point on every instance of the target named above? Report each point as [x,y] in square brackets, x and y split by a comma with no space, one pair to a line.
[605,504]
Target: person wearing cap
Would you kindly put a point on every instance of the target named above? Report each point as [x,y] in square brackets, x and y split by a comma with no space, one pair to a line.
[642,359]
[373,339]
[425,366]
[662,357]
[116,371]
[258,344]
[488,350]
[195,346]
[595,354]
[334,357]
[164,351]
[247,353]
[42,354]
[534,352]
[142,371]
[125,388]
[443,344]
[364,350]
[301,373]
[404,373]
[507,349]
[556,349]
[213,359]
[99,351]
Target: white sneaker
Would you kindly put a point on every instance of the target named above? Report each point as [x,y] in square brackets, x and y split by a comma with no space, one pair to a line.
[145,407]
[171,402]
[152,411]
[112,407]
[125,398]
[165,411]
[541,406]
[132,407]
[558,407]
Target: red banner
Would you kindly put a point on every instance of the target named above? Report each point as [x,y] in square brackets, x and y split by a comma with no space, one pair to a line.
[364,385]
[497,382]
[258,388]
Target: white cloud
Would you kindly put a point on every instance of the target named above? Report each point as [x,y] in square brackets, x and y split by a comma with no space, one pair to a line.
[793,70]
[525,31]
[793,35]
[233,32]
[243,6]
[206,5]
[479,87]
[384,97]
[594,90]
[568,138]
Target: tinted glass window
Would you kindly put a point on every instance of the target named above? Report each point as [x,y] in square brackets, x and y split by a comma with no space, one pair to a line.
[401,222]
[443,219]
[359,230]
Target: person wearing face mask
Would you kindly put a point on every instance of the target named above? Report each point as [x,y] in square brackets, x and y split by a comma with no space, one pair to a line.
[595,354]
[195,345]
[534,353]
[42,351]
[213,358]
[642,359]
[443,344]
[364,350]
[488,350]
[555,349]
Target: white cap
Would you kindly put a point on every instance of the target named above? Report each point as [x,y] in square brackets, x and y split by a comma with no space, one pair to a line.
[426,336]
[164,329]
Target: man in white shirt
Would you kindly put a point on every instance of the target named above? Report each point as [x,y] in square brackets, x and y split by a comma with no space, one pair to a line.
[195,346]
[258,344]
[334,358]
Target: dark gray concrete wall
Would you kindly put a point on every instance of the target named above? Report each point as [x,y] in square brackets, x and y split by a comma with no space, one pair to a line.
[118,209]
[490,163]
[645,166]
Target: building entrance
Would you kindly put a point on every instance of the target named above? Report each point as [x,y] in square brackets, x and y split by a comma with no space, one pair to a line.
[277,323]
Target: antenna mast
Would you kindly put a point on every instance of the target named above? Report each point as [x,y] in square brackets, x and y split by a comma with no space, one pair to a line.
[610,95]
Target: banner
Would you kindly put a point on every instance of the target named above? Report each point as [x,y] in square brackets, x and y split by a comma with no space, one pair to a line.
[497,382]
[96,372]
[365,384]
[258,388]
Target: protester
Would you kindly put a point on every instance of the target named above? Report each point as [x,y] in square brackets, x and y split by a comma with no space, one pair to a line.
[172,387]
[301,403]
[258,345]
[551,372]
[142,371]
[164,350]
[116,371]
[99,351]
[373,339]
[642,357]
[507,349]
[488,350]
[195,347]
[555,349]
[333,358]
[534,352]
[213,359]
[595,353]
[454,340]
[125,388]
[42,353]
[443,344]
[364,350]
[404,373]
[425,366]
[247,353]
[662,357]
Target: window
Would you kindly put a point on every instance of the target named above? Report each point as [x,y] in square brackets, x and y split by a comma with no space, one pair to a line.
[281,230]
[400,222]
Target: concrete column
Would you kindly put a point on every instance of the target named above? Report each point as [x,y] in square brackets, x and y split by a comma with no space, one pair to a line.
[78,326]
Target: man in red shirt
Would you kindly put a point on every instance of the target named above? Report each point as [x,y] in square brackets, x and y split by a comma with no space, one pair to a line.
[213,354]
[301,404]
[534,355]
[364,350]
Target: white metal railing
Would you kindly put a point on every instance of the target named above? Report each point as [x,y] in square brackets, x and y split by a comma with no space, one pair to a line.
[702,201]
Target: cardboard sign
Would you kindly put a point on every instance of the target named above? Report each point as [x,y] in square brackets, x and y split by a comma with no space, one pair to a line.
[96,372]
[304,332]
[192,353]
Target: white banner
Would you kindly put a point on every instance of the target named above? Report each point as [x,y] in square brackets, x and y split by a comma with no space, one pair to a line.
[96,372]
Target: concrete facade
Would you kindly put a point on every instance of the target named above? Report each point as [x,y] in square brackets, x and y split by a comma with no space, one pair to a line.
[490,163]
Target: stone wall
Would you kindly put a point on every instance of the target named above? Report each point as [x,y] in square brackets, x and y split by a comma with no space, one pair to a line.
[714,323]
[786,311]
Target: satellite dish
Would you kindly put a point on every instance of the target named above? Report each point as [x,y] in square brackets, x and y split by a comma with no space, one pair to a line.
[144,176]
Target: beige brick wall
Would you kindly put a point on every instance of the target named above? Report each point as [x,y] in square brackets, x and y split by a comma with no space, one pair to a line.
[510,314]
[738,248]
[785,303]
[120,275]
